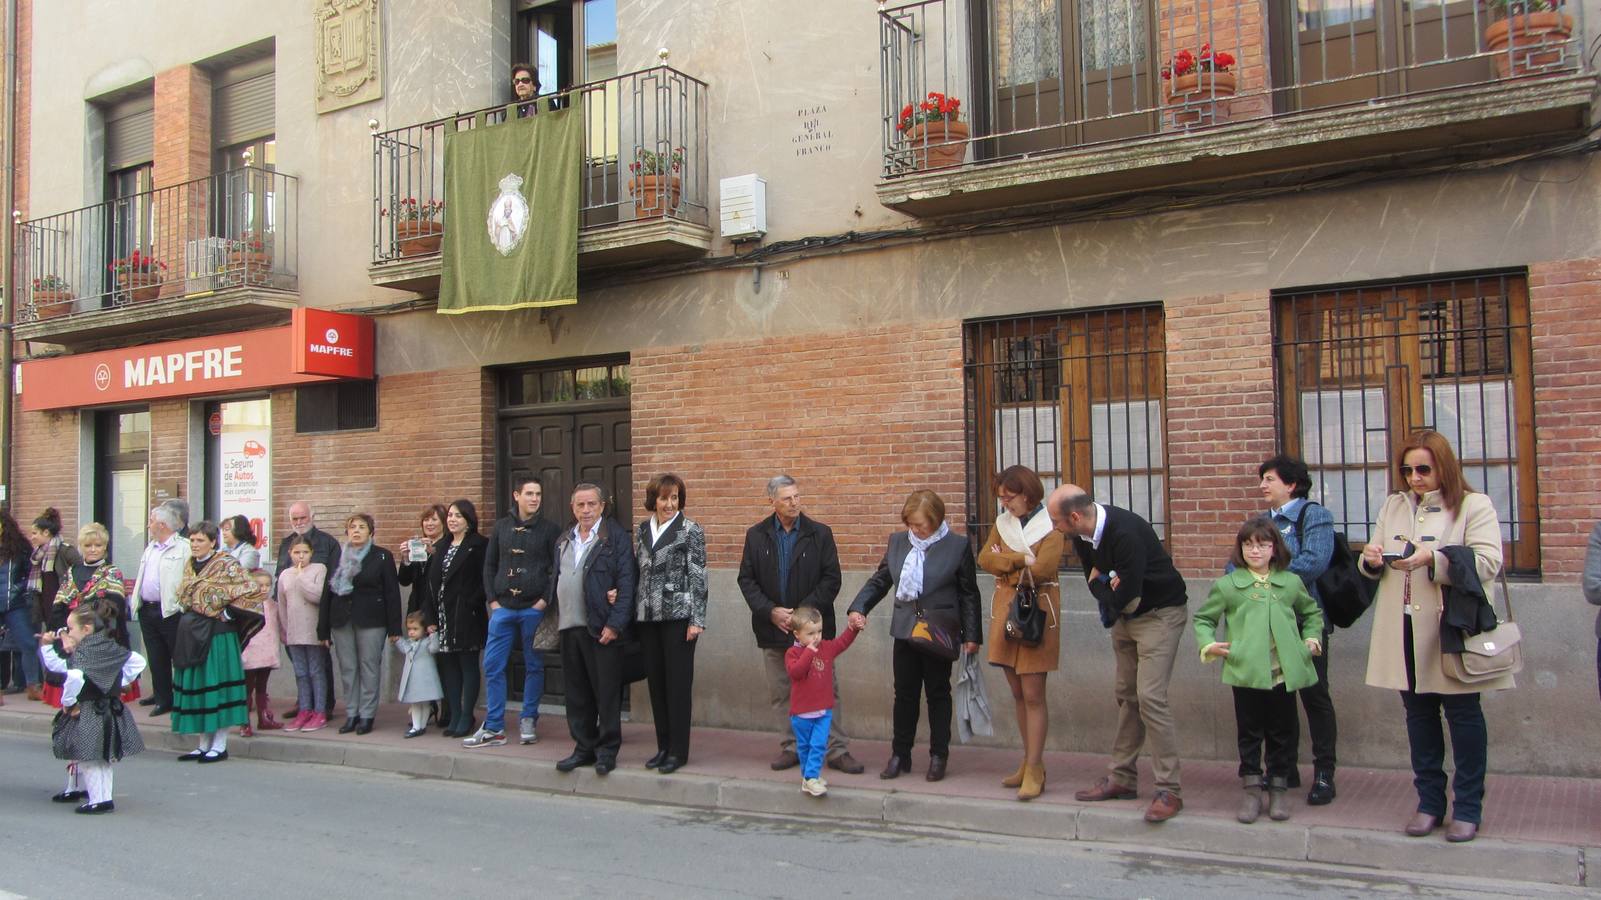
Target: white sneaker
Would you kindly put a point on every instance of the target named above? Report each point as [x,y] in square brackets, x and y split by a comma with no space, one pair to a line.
[485,738]
[814,786]
[525,729]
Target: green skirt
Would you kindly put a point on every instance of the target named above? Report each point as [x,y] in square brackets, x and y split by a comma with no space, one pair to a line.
[211,697]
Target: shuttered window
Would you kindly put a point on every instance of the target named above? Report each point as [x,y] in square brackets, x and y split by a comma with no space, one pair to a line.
[130,132]
[242,103]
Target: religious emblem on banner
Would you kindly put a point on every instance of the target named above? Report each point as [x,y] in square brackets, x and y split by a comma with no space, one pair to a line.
[508,216]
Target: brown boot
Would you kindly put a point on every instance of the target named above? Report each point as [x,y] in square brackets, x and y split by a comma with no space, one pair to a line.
[35,693]
[264,719]
[1033,782]
[250,706]
[1015,780]
[1251,806]
[1278,805]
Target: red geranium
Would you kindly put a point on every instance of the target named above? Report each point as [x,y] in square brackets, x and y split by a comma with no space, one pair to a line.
[937,108]
[1184,62]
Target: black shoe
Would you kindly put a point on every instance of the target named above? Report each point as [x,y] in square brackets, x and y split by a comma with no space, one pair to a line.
[349,726]
[1322,793]
[416,732]
[95,809]
[213,756]
[895,767]
[574,761]
[364,726]
[669,765]
[603,766]
[69,796]
[656,760]
[191,756]
[161,710]
[148,701]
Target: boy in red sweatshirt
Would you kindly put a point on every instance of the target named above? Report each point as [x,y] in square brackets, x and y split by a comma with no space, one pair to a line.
[810,663]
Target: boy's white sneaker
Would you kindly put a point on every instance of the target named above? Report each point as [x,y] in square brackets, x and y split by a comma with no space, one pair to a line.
[814,786]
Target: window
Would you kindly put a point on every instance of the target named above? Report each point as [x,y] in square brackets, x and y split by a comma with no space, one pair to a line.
[565,384]
[1361,368]
[1076,397]
[336,406]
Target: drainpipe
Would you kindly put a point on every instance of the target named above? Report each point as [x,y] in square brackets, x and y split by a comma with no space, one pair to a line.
[8,194]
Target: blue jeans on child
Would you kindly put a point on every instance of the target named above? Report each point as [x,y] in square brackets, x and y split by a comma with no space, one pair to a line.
[811,742]
[311,677]
[506,625]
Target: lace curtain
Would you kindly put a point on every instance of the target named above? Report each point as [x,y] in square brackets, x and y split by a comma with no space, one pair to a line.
[1028,37]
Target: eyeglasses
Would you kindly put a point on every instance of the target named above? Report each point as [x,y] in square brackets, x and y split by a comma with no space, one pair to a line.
[1425,471]
[522,79]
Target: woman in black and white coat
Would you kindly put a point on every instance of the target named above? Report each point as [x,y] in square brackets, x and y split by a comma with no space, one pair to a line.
[671,611]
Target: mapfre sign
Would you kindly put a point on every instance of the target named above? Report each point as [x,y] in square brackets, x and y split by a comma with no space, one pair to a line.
[317,345]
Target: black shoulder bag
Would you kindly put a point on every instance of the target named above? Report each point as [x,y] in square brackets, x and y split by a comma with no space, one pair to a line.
[1025,621]
[1346,595]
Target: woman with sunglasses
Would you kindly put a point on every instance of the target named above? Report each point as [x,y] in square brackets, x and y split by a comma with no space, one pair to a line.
[1434,512]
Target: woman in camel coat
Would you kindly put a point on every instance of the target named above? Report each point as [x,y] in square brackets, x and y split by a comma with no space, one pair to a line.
[1022,540]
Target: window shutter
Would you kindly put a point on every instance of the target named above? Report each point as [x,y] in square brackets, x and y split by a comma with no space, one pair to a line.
[130,133]
[242,103]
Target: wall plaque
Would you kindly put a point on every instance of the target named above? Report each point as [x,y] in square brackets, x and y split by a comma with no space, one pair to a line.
[350,48]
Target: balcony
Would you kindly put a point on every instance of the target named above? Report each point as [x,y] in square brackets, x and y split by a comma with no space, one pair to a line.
[205,255]
[1064,102]
[657,111]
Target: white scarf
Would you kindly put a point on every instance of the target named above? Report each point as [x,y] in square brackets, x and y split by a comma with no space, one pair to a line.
[1019,538]
[911,583]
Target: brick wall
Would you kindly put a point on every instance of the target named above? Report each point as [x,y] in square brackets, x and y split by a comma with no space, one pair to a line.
[45,468]
[1566,333]
[183,125]
[860,419]
[431,446]
[1219,420]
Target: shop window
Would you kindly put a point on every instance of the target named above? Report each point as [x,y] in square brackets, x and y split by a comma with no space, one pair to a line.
[1076,397]
[1360,368]
[336,406]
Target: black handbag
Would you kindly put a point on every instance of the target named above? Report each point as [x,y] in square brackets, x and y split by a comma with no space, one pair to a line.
[934,634]
[1345,594]
[1025,621]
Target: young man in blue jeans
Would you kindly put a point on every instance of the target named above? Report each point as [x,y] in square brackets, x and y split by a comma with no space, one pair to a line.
[517,582]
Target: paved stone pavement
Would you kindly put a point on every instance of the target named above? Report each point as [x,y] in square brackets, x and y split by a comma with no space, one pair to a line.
[1540,829]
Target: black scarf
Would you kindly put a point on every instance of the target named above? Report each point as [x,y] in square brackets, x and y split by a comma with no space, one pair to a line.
[101,660]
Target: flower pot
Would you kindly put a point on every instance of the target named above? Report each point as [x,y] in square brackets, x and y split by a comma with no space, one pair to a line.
[48,304]
[1537,40]
[1193,97]
[419,237]
[937,144]
[654,195]
[141,287]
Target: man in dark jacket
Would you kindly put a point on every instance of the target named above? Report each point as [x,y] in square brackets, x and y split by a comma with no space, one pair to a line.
[791,561]
[325,550]
[594,587]
[1143,601]
[517,567]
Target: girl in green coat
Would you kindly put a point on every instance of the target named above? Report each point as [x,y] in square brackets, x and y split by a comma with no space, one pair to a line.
[1274,630]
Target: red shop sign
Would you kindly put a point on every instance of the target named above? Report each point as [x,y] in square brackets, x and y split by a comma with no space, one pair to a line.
[317,346]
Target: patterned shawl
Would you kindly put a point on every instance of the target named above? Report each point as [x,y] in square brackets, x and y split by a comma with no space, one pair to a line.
[220,583]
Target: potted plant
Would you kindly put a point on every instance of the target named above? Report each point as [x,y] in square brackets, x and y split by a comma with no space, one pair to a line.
[52,296]
[1194,79]
[250,257]
[1530,36]
[655,186]
[139,276]
[418,226]
[933,128]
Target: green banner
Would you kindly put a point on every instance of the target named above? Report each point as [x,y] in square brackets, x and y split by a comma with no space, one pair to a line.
[511,194]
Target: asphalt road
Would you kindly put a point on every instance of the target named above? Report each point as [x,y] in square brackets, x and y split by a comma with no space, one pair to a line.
[246,828]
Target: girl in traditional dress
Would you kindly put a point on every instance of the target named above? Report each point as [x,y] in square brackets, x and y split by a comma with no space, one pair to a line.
[209,681]
[96,581]
[93,729]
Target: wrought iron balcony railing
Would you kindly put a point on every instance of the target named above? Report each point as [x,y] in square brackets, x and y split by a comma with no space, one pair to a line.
[657,112]
[1034,76]
[233,230]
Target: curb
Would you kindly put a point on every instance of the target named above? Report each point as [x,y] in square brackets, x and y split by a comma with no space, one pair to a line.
[1488,858]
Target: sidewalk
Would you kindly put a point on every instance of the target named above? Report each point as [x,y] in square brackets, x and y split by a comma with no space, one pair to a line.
[1536,828]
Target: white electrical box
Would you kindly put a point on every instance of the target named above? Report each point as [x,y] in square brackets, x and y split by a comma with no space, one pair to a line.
[744,207]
